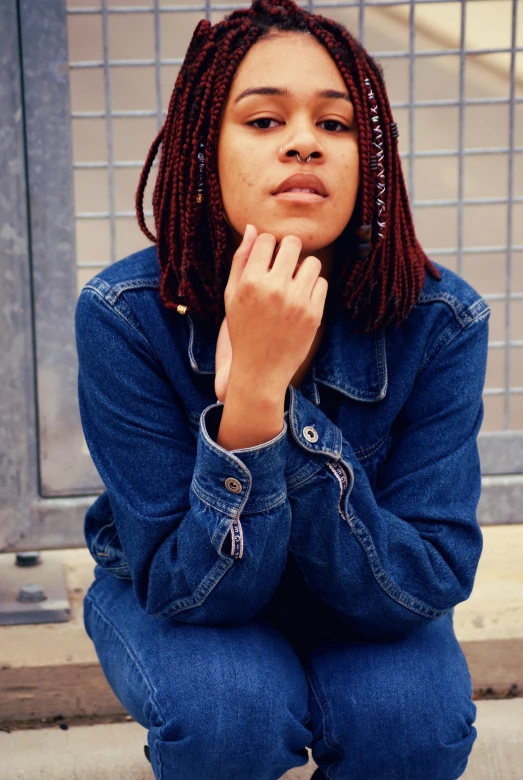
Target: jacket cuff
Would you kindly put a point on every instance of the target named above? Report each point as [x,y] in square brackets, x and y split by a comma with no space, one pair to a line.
[239,481]
[311,428]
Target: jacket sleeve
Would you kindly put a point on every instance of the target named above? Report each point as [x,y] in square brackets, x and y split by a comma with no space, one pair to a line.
[392,560]
[175,500]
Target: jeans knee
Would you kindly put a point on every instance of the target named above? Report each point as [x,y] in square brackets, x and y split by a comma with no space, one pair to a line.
[408,742]
[250,740]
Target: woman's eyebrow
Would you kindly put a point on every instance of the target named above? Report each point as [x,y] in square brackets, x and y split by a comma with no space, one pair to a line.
[283,91]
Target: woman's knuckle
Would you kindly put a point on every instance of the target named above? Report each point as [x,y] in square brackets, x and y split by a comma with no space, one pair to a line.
[276,296]
[311,318]
[247,289]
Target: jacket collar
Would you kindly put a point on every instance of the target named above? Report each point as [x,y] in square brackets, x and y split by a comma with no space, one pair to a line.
[354,364]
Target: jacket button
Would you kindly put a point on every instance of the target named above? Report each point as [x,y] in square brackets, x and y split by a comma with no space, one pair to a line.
[233,485]
[310,433]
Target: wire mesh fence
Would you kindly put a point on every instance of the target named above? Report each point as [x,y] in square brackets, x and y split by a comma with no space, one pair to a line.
[454,74]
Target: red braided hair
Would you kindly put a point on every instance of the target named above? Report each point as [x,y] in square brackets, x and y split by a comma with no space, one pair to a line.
[191,238]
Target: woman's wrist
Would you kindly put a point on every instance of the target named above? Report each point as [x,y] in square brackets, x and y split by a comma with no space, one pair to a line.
[253,412]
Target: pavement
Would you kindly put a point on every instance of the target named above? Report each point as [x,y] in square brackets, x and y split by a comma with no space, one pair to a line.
[115,750]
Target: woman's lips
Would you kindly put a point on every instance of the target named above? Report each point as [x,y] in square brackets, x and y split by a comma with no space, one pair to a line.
[300,197]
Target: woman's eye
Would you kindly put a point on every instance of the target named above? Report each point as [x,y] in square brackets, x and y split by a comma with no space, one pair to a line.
[334,122]
[269,119]
[263,119]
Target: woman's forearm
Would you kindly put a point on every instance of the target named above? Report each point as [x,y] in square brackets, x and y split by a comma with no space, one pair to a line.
[253,411]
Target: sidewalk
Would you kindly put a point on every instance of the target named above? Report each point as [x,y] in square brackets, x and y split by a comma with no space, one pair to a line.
[115,751]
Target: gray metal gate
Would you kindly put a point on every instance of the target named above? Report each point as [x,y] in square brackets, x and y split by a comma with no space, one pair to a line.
[67,159]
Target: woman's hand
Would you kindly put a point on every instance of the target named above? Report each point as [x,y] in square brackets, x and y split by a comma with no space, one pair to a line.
[273,311]
[223,361]
[223,357]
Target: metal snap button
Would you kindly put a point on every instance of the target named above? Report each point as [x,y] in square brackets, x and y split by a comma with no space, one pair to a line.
[233,485]
[310,433]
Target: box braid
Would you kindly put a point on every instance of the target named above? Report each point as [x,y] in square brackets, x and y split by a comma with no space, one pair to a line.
[380,279]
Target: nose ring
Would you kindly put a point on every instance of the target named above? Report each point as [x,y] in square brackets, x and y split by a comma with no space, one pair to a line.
[298,156]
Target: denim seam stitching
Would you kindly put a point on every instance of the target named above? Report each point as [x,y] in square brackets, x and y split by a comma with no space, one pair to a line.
[203,589]
[454,303]
[461,312]
[122,567]
[291,486]
[353,392]
[379,345]
[105,554]
[220,534]
[113,569]
[217,503]
[108,568]
[365,453]
[480,304]
[444,340]
[227,456]
[481,316]
[112,292]
[151,283]
[385,582]
[117,311]
[110,523]
[266,445]
[323,704]
[136,663]
[439,347]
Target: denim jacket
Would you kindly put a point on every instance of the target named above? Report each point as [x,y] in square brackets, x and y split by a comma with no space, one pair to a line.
[372,485]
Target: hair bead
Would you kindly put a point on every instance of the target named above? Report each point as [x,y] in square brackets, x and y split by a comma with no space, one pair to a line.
[379,157]
[201,158]
[364,232]
[364,251]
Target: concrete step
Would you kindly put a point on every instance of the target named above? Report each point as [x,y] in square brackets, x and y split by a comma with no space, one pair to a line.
[43,667]
[115,751]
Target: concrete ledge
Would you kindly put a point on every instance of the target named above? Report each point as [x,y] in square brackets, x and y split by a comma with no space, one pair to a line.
[51,670]
[489,625]
[114,751]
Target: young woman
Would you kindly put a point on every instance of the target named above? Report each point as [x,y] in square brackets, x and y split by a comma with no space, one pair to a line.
[285,419]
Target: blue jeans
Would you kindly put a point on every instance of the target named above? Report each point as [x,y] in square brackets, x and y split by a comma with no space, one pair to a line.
[242,703]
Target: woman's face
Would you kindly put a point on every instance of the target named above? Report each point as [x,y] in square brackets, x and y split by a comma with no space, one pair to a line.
[253,128]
